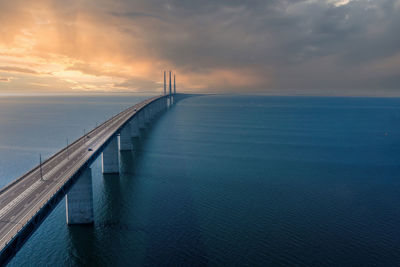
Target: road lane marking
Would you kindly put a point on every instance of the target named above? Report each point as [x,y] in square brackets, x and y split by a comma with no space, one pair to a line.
[101,137]
[19,198]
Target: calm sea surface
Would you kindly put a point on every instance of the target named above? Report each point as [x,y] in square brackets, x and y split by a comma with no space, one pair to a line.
[222,180]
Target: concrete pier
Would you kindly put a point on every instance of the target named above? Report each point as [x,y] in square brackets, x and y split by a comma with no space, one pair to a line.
[125,142]
[147,116]
[134,124]
[141,119]
[151,112]
[157,107]
[160,105]
[79,200]
[110,157]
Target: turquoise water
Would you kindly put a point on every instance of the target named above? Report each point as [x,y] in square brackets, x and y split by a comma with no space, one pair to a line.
[223,180]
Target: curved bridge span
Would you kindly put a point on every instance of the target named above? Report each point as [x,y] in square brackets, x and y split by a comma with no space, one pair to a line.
[27,201]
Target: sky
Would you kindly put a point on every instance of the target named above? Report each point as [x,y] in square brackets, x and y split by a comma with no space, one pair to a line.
[295,47]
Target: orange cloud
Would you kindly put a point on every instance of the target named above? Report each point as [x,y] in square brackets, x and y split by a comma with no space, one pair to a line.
[5,79]
[83,47]
[17,70]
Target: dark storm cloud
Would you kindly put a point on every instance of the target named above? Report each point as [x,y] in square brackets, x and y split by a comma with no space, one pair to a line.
[134,15]
[288,40]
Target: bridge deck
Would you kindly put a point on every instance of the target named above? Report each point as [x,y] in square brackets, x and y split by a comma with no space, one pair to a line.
[22,199]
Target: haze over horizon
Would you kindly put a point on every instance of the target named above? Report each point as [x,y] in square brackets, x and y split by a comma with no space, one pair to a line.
[327,47]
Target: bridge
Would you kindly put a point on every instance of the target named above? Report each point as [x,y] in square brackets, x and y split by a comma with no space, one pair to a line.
[28,200]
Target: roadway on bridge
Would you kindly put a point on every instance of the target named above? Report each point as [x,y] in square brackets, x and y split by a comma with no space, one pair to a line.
[21,200]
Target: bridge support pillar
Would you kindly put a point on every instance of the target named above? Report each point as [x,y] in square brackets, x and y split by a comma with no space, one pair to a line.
[134,124]
[159,106]
[155,108]
[151,110]
[110,157]
[79,200]
[141,119]
[147,114]
[125,142]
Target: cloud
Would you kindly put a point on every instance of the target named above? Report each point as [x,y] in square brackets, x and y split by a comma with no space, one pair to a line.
[138,84]
[17,70]
[5,79]
[135,15]
[96,70]
[214,46]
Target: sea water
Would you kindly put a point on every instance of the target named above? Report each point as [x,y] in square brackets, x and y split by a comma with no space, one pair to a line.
[222,180]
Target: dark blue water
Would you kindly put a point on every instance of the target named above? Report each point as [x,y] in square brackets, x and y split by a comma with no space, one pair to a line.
[224,180]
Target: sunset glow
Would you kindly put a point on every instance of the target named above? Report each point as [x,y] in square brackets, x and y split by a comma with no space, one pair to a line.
[54,46]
